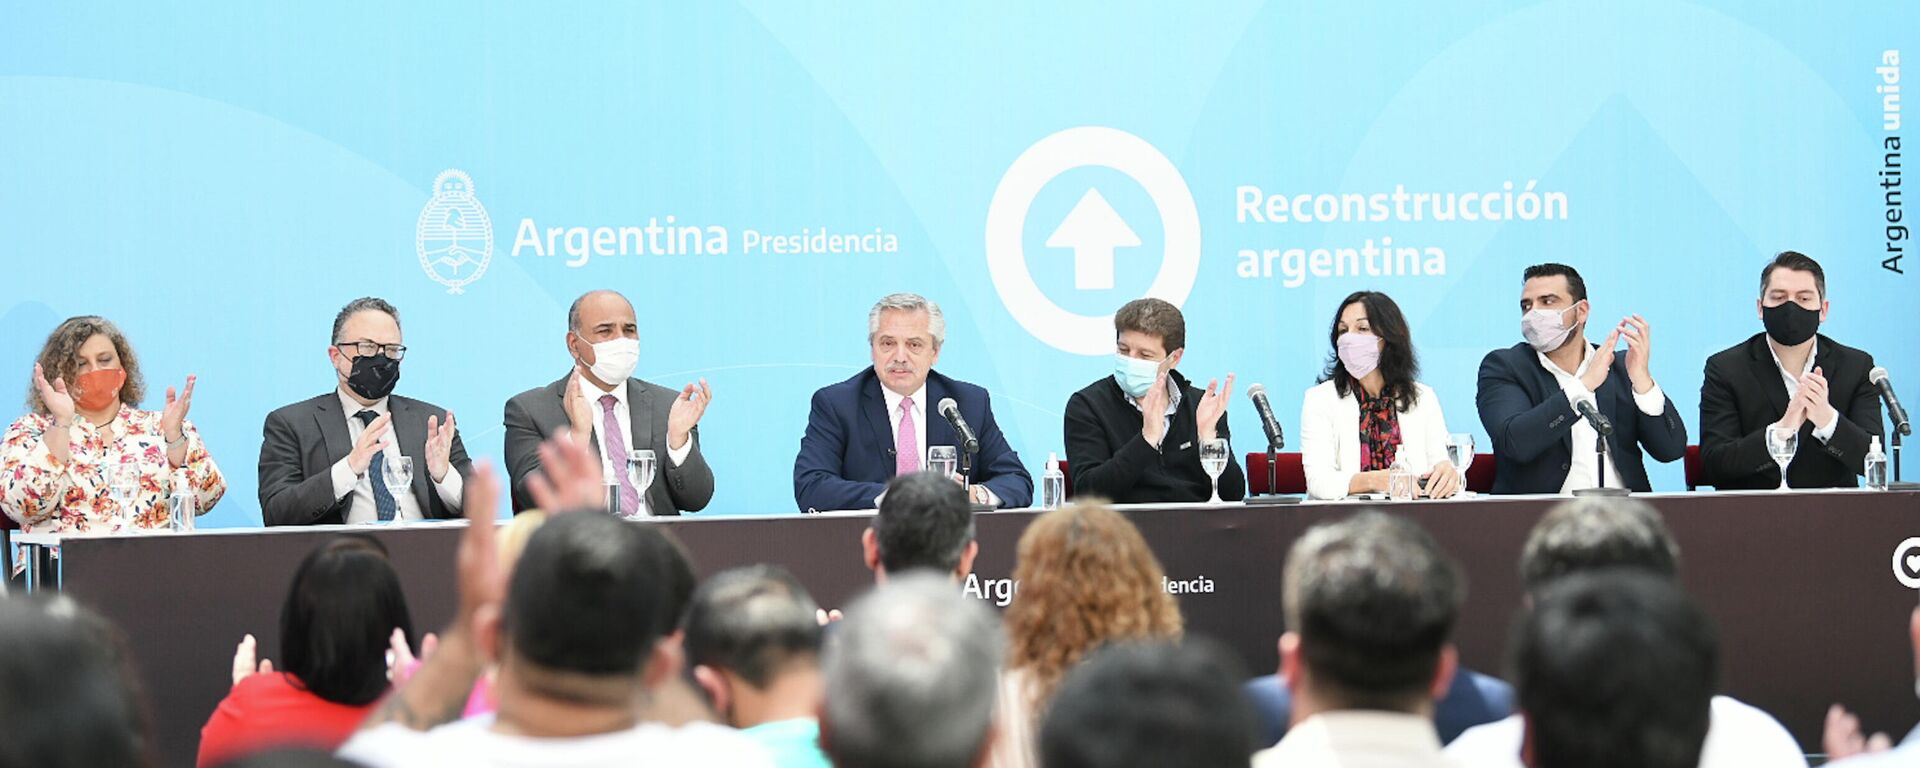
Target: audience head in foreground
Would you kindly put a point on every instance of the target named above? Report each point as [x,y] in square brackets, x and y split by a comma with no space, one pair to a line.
[1615,667]
[753,648]
[343,610]
[1591,533]
[1142,705]
[67,698]
[584,634]
[1594,535]
[924,521]
[910,679]
[1370,604]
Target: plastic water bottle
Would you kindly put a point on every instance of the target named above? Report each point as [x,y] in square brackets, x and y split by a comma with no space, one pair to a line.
[1053,484]
[1876,469]
[181,503]
[1402,483]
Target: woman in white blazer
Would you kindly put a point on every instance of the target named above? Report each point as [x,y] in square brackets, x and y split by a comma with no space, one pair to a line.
[1368,409]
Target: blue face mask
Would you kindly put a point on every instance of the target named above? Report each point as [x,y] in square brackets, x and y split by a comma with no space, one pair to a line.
[1135,376]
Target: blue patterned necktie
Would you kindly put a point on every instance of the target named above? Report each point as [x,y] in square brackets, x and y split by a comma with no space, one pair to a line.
[382,498]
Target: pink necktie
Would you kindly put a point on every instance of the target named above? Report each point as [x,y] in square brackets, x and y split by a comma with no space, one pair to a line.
[906,443]
[617,447]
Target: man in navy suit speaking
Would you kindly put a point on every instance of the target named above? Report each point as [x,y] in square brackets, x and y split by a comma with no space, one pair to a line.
[879,423]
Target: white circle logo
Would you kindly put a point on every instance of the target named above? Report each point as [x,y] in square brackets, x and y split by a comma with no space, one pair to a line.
[1906,563]
[454,237]
[1092,226]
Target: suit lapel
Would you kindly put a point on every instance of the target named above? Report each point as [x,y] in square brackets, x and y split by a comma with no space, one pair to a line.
[937,430]
[333,427]
[1544,383]
[1767,373]
[873,410]
[640,413]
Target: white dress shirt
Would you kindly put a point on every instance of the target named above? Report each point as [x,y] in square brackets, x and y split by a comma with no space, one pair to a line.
[1358,739]
[623,413]
[363,509]
[1824,432]
[895,411]
[1651,402]
[1330,437]
[1738,736]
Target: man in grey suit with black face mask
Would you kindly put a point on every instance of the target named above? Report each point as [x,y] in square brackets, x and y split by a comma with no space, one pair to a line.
[343,457]
[602,406]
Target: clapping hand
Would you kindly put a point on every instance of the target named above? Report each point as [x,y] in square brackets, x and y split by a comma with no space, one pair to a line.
[687,410]
[439,446]
[244,664]
[1212,406]
[58,400]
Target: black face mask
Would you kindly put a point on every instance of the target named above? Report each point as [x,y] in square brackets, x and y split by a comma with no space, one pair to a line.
[373,376]
[1790,324]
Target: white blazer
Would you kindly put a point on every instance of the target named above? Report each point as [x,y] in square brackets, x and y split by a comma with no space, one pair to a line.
[1330,438]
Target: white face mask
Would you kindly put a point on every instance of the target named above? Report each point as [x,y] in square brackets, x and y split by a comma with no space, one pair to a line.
[1546,329]
[614,359]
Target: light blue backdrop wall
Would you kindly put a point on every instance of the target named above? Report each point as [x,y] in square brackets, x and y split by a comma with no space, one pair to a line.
[220,179]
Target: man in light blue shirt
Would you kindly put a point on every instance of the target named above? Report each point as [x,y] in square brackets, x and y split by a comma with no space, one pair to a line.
[753,647]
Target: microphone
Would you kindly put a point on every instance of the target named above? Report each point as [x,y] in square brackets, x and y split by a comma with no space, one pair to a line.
[1592,415]
[1275,438]
[951,411]
[1879,378]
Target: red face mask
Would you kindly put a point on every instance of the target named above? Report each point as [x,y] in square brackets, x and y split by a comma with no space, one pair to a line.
[98,388]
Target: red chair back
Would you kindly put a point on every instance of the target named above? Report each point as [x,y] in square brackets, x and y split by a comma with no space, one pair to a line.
[1290,477]
[1065,487]
[1695,471]
[1481,472]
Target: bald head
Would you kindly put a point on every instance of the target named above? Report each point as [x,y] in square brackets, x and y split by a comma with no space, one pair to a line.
[596,307]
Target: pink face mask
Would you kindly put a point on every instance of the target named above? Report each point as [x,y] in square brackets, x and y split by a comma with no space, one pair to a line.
[1359,352]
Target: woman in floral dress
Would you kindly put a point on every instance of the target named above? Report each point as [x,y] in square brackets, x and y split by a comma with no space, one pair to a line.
[59,462]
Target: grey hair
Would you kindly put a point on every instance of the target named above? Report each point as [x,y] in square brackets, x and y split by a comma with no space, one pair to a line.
[911,677]
[362,304]
[908,302]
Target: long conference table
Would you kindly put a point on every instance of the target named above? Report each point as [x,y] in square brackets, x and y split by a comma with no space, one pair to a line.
[1801,586]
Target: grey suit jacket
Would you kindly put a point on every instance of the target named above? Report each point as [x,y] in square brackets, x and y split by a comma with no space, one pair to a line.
[534,415]
[300,443]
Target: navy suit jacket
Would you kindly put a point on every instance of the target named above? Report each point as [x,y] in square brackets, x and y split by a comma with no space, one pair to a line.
[1531,420]
[847,454]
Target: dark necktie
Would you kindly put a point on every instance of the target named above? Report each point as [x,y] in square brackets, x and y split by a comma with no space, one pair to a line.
[383,500]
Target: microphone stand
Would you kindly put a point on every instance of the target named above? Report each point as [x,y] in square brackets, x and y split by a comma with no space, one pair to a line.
[1894,444]
[1600,429]
[1273,469]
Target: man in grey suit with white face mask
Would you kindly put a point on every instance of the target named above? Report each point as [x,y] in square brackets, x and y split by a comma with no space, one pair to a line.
[602,406]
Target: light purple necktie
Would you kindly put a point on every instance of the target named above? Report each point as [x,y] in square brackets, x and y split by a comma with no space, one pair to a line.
[617,453]
[906,443]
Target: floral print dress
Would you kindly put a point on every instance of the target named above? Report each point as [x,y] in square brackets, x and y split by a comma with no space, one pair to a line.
[44,494]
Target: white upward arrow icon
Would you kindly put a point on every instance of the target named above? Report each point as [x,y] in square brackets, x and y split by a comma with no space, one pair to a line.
[1093,229]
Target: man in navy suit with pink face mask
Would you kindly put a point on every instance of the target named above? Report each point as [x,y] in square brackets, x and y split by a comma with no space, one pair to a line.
[1529,395]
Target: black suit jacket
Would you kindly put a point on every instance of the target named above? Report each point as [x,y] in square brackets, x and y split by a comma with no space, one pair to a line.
[537,413]
[1742,393]
[847,454]
[1531,420]
[301,442]
[1109,458]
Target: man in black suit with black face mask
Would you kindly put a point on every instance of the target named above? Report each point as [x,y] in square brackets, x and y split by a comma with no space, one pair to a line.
[1789,378]
[327,460]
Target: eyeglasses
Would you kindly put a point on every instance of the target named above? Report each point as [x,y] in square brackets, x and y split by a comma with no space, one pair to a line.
[368,348]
